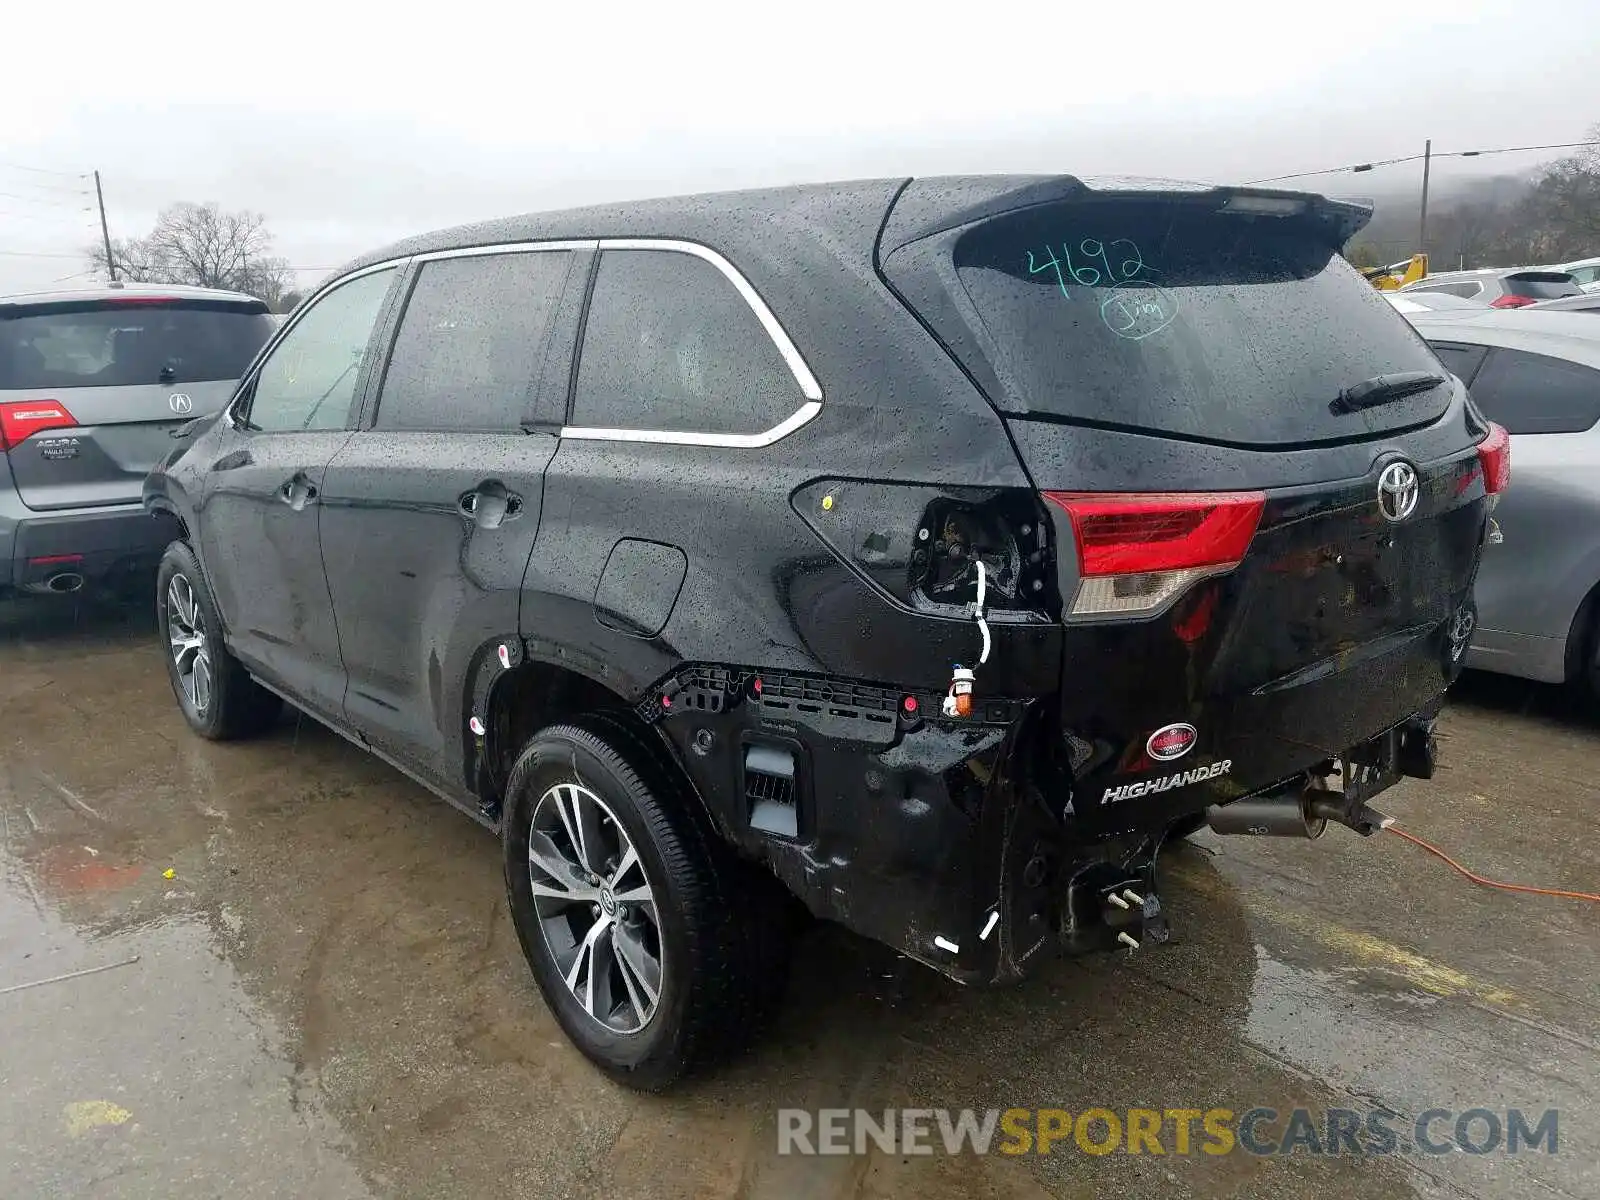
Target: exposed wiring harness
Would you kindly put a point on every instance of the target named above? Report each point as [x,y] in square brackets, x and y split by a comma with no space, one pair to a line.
[964,680]
[1493,883]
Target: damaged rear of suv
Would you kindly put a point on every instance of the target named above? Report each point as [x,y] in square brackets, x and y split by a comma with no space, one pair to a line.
[938,547]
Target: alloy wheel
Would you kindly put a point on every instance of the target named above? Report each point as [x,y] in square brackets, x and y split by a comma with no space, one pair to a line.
[596,907]
[186,631]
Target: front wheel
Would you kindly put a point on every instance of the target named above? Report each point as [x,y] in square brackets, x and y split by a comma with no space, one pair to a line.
[637,922]
[217,696]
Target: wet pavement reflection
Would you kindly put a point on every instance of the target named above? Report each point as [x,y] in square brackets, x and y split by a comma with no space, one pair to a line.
[302,982]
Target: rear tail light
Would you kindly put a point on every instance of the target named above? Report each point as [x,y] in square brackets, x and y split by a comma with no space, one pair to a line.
[1494,453]
[1138,552]
[22,418]
[1512,302]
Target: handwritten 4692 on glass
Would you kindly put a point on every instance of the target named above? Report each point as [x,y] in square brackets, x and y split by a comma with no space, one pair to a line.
[1093,255]
[1133,307]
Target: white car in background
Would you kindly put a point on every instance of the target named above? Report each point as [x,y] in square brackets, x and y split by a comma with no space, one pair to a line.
[1585,271]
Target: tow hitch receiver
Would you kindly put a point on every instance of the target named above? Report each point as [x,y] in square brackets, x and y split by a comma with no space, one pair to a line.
[1110,905]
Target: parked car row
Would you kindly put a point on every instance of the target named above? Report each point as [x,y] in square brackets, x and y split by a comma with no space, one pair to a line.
[931,551]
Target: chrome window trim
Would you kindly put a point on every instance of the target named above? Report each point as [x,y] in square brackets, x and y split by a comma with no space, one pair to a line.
[507,248]
[809,387]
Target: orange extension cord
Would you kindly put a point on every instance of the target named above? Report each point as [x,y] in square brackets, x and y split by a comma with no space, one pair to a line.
[1493,883]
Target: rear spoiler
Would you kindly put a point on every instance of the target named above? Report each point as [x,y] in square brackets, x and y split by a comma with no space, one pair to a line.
[926,207]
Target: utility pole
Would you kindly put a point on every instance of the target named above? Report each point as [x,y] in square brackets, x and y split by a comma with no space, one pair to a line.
[105,230]
[1427,161]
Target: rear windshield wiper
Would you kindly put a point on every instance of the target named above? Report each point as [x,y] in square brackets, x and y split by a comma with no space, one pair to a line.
[1381,389]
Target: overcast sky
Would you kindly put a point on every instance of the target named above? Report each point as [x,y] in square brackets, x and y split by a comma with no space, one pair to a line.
[351,128]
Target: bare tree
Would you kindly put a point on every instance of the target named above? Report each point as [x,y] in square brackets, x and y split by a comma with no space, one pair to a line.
[202,245]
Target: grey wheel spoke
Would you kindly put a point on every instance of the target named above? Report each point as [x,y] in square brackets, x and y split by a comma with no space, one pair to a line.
[186,636]
[596,908]
[583,965]
[630,859]
[563,881]
[639,969]
[566,800]
[202,681]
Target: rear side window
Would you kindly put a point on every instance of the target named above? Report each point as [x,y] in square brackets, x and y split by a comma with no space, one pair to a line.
[1461,359]
[670,345]
[1534,393]
[1171,317]
[309,379]
[1541,285]
[472,342]
[129,343]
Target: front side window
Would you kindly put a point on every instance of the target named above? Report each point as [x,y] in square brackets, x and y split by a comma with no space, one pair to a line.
[309,379]
[670,345]
[1534,393]
[472,342]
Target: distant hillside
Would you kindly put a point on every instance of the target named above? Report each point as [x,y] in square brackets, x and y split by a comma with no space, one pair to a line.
[1551,214]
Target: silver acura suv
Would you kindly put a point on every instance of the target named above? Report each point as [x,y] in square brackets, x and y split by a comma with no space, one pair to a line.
[92,381]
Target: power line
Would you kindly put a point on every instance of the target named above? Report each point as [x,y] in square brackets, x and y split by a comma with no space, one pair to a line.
[45,170]
[1357,168]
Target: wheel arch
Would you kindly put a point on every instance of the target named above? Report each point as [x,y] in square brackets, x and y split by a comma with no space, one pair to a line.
[542,689]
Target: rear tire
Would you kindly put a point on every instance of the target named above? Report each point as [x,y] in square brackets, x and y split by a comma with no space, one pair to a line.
[657,949]
[214,691]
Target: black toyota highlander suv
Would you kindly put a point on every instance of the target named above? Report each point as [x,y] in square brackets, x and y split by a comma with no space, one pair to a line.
[936,549]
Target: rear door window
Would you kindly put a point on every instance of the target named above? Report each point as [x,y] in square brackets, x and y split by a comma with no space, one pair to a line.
[1535,393]
[472,342]
[1173,318]
[309,379]
[670,345]
[130,342]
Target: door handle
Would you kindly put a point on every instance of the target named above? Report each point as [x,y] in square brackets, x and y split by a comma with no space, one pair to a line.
[298,492]
[490,504]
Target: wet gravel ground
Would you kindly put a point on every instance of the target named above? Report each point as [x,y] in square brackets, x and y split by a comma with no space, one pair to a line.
[325,998]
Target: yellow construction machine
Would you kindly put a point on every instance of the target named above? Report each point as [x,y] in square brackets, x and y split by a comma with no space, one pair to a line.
[1396,275]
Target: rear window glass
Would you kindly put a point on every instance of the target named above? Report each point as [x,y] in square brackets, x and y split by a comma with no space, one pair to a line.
[1542,287]
[1158,316]
[122,345]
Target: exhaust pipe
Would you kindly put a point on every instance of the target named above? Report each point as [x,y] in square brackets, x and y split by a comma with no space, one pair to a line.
[1279,814]
[1296,811]
[66,581]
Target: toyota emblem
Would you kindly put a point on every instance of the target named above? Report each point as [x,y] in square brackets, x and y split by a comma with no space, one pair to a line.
[180,403]
[1398,491]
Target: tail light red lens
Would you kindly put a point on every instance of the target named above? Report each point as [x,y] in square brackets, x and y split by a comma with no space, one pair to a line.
[1494,453]
[20,419]
[1119,534]
[1137,552]
[1512,302]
